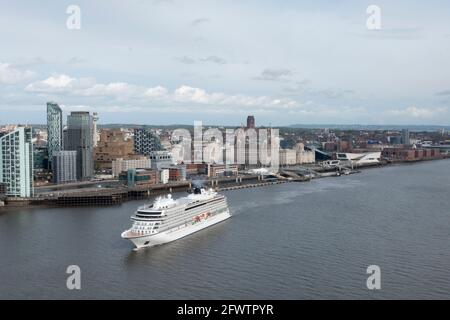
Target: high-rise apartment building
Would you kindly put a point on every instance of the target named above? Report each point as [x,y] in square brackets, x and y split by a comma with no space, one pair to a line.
[54,129]
[79,139]
[145,142]
[16,162]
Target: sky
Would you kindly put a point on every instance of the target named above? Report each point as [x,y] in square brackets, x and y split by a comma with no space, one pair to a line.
[176,62]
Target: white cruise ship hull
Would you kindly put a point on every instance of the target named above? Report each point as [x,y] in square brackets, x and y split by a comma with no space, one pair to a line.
[175,233]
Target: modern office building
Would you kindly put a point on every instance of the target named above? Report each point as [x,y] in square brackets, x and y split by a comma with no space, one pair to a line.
[64,166]
[405,137]
[250,122]
[16,162]
[40,157]
[145,142]
[65,137]
[79,139]
[366,158]
[54,129]
[395,140]
[139,177]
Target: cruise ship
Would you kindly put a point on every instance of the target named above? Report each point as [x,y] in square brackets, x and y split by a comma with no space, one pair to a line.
[167,219]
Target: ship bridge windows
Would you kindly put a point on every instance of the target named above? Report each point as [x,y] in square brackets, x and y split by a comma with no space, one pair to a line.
[149,212]
[144,215]
[149,215]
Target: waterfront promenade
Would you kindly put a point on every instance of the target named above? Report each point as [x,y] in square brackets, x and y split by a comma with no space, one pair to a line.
[111,192]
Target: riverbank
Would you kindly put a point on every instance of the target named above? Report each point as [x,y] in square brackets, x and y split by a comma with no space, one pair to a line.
[93,197]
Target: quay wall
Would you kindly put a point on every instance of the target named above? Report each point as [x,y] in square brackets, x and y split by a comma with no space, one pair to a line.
[118,195]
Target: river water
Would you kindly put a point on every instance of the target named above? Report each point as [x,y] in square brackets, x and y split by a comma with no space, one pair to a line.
[311,240]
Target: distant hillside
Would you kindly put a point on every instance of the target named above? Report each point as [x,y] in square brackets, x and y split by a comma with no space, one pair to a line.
[294,126]
[371,127]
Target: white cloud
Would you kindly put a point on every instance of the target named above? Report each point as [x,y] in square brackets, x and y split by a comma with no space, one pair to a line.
[126,97]
[315,42]
[219,99]
[59,83]
[69,108]
[117,89]
[156,92]
[189,94]
[13,75]
[86,88]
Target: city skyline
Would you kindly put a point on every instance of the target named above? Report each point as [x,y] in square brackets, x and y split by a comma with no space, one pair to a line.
[215,153]
[298,63]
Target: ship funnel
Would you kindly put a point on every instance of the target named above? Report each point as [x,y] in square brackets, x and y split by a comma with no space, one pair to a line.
[197,190]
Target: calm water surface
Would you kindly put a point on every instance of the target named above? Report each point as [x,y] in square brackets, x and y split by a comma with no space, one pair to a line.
[292,241]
